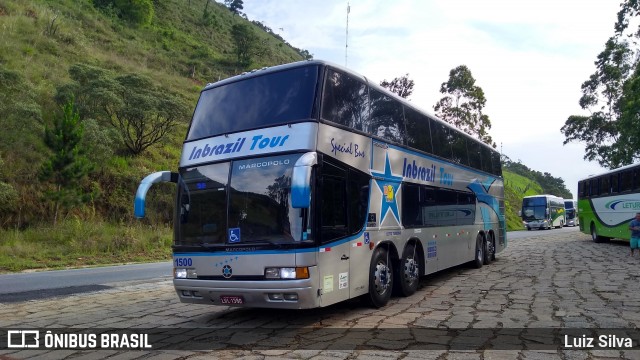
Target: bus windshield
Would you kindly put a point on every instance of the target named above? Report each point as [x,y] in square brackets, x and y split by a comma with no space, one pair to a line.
[253,207]
[534,208]
[267,100]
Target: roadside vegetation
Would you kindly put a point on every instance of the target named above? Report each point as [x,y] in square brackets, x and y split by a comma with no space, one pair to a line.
[73,149]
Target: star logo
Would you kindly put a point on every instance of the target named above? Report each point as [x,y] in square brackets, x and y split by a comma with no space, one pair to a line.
[388,185]
[227,271]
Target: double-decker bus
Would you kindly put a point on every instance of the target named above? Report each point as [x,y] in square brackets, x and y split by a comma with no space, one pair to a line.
[542,212]
[571,212]
[306,184]
[608,202]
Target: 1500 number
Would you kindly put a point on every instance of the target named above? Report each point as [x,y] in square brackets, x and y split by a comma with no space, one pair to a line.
[183,262]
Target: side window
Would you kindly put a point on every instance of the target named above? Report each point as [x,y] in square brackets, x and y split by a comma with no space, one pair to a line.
[486,158]
[466,211]
[614,183]
[604,185]
[636,179]
[411,210]
[447,201]
[387,118]
[626,181]
[595,188]
[428,206]
[418,132]
[580,189]
[358,192]
[345,101]
[496,163]
[440,139]
[459,148]
[333,203]
[475,156]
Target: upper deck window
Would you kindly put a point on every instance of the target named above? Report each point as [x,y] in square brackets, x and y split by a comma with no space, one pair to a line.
[267,100]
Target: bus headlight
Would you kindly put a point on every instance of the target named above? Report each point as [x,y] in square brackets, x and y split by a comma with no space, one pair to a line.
[180,273]
[286,273]
[185,274]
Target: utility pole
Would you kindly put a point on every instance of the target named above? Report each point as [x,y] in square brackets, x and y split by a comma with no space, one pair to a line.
[346,42]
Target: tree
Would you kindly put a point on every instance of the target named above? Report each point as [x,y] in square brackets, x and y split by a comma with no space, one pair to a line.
[403,86]
[611,96]
[234,5]
[463,105]
[143,114]
[601,95]
[138,12]
[246,43]
[67,166]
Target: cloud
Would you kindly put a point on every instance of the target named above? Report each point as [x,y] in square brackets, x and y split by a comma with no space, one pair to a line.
[529,57]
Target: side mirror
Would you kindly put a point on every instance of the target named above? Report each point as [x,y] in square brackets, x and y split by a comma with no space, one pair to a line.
[301,181]
[520,213]
[145,184]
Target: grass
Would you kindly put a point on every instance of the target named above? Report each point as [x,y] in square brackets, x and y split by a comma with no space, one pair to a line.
[515,188]
[76,243]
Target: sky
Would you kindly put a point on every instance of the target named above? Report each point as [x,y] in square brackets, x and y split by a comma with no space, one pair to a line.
[529,57]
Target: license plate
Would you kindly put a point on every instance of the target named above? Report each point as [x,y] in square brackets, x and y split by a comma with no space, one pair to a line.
[231,300]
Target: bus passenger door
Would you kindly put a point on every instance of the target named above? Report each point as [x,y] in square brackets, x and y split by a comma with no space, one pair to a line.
[335,249]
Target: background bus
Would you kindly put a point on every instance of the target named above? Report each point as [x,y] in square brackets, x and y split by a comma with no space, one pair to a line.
[542,212]
[305,184]
[571,212]
[607,203]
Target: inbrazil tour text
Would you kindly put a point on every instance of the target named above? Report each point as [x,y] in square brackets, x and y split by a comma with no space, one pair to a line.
[95,341]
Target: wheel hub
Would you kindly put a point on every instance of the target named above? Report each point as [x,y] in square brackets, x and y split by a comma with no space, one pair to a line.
[382,278]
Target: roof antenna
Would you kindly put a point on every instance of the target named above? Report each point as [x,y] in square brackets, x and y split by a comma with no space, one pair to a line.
[346,42]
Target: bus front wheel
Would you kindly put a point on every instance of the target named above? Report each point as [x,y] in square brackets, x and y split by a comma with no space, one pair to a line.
[380,279]
[594,235]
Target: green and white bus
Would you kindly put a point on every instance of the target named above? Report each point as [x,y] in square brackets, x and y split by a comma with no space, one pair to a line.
[306,184]
[607,202]
[542,212]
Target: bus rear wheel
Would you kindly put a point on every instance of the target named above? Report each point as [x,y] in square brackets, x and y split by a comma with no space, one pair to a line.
[380,279]
[489,250]
[480,249]
[408,271]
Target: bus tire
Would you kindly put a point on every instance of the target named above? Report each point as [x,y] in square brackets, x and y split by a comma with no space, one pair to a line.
[478,261]
[489,250]
[380,279]
[408,271]
[594,235]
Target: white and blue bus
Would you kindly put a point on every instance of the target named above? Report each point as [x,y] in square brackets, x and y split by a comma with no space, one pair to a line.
[571,212]
[303,185]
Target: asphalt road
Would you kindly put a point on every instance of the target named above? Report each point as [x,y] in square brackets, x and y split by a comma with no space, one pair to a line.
[44,284]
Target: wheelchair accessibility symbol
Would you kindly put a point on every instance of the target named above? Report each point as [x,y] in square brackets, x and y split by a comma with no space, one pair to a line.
[234,235]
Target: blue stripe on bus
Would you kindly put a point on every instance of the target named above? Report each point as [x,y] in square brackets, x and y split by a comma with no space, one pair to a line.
[435,159]
[272,252]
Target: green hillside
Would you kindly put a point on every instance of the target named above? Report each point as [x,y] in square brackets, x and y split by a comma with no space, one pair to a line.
[185,45]
[114,59]
[118,62]
[515,188]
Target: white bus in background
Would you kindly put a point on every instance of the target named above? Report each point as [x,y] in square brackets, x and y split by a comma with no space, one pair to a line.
[543,212]
[571,212]
[306,184]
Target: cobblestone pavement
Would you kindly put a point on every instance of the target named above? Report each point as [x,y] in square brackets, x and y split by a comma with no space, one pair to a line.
[560,280]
